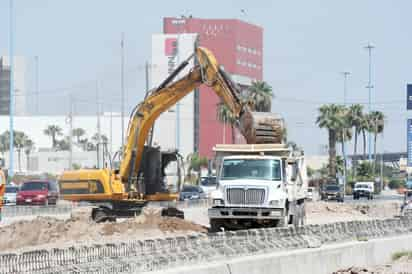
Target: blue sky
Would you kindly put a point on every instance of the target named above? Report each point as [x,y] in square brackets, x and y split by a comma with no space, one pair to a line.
[306,46]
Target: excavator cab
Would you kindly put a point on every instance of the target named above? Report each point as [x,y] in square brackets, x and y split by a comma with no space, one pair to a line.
[161,174]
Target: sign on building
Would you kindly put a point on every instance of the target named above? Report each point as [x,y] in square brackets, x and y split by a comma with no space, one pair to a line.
[409,141]
[409,96]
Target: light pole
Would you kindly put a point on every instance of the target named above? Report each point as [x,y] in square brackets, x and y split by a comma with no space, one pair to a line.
[122,88]
[11,107]
[36,60]
[369,47]
[178,103]
[345,79]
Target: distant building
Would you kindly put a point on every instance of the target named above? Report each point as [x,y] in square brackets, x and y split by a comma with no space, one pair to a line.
[168,51]
[238,46]
[19,85]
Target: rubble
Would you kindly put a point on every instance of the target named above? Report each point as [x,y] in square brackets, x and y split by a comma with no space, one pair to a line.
[79,228]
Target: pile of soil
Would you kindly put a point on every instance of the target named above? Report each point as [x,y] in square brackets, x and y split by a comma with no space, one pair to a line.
[79,228]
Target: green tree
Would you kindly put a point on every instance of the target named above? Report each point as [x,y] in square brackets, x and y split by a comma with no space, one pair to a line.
[78,133]
[365,170]
[196,162]
[4,142]
[20,139]
[377,122]
[28,148]
[225,116]
[53,131]
[103,138]
[63,144]
[355,118]
[331,117]
[260,96]
[365,127]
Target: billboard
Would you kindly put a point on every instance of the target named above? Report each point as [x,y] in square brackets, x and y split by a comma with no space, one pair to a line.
[409,96]
[409,141]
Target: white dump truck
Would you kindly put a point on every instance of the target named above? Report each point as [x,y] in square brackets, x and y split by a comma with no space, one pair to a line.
[259,185]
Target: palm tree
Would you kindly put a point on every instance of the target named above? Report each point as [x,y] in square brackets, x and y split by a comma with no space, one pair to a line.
[355,117]
[78,133]
[260,96]
[377,121]
[331,117]
[225,115]
[103,138]
[28,147]
[4,142]
[365,127]
[53,131]
[20,139]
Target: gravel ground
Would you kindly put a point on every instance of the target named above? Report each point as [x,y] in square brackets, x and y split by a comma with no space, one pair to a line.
[25,233]
[401,266]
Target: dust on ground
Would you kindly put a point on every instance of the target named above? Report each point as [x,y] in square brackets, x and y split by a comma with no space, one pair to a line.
[45,232]
[402,265]
[325,212]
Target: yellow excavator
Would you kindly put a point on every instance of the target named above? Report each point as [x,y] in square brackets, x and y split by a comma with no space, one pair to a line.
[123,192]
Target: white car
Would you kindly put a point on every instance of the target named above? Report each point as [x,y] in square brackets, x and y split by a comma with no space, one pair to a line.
[10,195]
[208,184]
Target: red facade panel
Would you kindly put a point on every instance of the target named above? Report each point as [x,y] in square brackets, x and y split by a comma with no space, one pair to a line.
[238,46]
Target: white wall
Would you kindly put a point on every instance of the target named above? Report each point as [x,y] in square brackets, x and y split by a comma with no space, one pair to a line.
[162,64]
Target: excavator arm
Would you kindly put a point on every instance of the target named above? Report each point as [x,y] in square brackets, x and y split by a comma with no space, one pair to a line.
[207,71]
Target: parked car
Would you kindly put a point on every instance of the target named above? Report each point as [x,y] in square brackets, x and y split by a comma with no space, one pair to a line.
[191,192]
[10,195]
[332,192]
[312,194]
[38,192]
[208,184]
[363,189]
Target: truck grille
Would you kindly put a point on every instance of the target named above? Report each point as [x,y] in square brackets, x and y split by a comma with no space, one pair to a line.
[240,196]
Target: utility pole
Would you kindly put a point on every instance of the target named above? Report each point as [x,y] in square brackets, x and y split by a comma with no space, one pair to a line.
[11,106]
[122,88]
[36,60]
[369,47]
[71,131]
[111,130]
[345,79]
[178,103]
[98,125]
[151,133]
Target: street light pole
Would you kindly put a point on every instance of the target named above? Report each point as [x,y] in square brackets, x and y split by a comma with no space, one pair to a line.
[11,106]
[36,60]
[122,88]
[345,79]
[369,47]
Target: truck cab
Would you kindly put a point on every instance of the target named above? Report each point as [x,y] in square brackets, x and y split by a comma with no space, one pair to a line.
[258,186]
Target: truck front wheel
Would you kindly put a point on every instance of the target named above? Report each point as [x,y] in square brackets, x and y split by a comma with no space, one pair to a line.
[216,225]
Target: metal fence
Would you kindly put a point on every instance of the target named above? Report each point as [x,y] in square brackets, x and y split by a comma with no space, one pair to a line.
[17,211]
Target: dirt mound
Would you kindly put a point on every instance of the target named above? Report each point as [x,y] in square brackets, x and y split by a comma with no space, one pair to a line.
[79,228]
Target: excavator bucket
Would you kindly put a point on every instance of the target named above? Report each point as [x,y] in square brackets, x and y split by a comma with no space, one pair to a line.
[262,127]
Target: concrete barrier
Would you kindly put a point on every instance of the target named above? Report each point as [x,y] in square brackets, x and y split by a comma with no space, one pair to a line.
[161,254]
[323,260]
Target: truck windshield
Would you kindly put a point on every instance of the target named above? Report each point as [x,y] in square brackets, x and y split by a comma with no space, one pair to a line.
[260,169]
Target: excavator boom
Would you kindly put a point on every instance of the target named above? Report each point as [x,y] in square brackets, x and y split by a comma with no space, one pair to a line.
[144,115]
